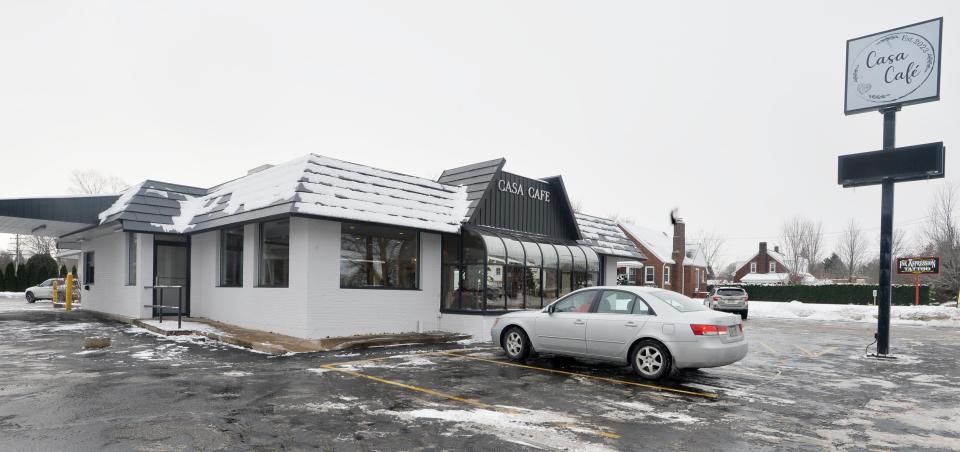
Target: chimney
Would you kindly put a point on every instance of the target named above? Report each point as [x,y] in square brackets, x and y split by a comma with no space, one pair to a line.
[762,259]
[776,249]
[679,241]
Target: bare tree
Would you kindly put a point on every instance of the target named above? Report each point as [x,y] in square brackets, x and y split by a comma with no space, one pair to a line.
[92,182]
[793,235]
[942,237]
[710,245]
[900,245]
[619,218]
[813,244]
[41,245]
[852,248]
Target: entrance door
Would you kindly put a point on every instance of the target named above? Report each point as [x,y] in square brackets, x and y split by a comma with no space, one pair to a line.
[171,267]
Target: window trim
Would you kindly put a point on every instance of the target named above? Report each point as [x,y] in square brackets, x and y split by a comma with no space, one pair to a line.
[753,267]
[772,267]
[666,274]
[128,275]
[259,254]
[243,242]
[88,276]
[419,285]
[652,277]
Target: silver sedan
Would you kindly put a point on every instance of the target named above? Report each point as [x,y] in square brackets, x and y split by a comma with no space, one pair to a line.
[656,331]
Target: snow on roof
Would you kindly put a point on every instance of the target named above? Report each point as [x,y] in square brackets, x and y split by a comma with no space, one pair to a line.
[312,185]
[694,256]
[659,243]
[605,237]
[765,278]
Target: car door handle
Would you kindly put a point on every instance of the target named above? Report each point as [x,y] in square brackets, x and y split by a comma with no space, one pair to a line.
[631,324]
[578,322]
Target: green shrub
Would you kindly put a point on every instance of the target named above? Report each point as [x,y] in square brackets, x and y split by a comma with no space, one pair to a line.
[835,293]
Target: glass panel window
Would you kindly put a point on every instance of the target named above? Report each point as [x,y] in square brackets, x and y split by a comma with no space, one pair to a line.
[593,261]
[513,286]
[131,258]
[473,248]
[449,285]
[532,284]
[496,253]
[593,279]
[88,267]
[549,285]
[616,302]
[565,283]
[578,302]
[566,260]
[380,257]
[450,249]
[495,287]
[231,257]
[274,252]
[753,267]
[579,260]
[641,307]
[549,254]
[532,251]
[666,274]
[773,267]
[515,253]
[471,293]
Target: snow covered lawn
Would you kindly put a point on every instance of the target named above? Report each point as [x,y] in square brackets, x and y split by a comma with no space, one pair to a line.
[903,315]
[13,295]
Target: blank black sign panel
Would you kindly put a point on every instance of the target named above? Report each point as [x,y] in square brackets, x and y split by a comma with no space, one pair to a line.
[924,161]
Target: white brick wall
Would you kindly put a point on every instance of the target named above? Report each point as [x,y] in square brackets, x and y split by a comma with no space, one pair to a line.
[278,310]
[109,292]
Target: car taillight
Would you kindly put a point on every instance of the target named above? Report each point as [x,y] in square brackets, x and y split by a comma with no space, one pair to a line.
[708,330]
[740,325]
[715,298]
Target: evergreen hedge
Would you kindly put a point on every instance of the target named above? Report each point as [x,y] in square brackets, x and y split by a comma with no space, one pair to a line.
[835,293]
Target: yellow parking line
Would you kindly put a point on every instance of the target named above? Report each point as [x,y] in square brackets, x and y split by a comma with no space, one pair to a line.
[771,350]
[611,380]
[444,395]
[440,394]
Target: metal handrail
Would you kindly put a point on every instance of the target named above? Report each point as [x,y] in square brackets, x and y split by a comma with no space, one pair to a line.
[178,307]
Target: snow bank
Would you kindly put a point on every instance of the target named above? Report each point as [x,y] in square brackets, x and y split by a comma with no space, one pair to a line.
[12,295]
[904,315]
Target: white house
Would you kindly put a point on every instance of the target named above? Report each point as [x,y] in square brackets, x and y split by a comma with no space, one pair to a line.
[318,247]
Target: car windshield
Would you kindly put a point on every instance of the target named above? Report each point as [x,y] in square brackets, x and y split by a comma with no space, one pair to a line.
[677,301]
[731,292]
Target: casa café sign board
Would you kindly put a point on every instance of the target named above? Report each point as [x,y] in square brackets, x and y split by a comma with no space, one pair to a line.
[918,265]
[894,67]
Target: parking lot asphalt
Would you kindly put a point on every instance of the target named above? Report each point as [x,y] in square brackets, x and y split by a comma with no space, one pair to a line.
[803,386]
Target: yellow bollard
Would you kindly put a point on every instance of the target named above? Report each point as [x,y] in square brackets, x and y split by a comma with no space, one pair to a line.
[55,294]
[69,290]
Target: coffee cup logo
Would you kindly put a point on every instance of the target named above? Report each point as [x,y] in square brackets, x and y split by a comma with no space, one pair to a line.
[893,66]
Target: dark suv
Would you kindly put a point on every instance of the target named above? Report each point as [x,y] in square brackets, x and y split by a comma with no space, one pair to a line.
[728,299]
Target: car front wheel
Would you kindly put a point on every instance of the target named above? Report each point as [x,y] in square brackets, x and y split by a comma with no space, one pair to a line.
[651,360]
[516,344]
[30,298]
[743,314]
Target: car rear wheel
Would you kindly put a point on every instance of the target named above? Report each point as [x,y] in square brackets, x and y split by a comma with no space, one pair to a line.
[651,360]
[743,314]
[30,298]
[516,344]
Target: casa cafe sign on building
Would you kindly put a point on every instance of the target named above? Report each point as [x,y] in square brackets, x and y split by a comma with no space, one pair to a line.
[516,188]
[894,67]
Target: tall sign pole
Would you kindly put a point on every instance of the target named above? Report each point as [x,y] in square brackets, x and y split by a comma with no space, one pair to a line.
[886,71]
[886,237]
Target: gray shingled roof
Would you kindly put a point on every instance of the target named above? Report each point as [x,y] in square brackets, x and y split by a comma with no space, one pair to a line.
[475,177]
[149,205]
[311,185]
[605,237]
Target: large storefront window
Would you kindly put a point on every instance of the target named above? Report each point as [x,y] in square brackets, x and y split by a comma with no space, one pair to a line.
[231,257]
[378,257]
[501,271]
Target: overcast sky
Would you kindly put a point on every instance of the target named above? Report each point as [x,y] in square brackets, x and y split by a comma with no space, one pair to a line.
[730,111]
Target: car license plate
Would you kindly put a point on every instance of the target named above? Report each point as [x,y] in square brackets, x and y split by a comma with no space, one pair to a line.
[734,331]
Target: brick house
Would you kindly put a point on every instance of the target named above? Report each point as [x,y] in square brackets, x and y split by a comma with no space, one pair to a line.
[671,262]
[767,267]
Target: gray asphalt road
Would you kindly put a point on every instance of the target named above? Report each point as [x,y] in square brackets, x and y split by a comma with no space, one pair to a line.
[804,385]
